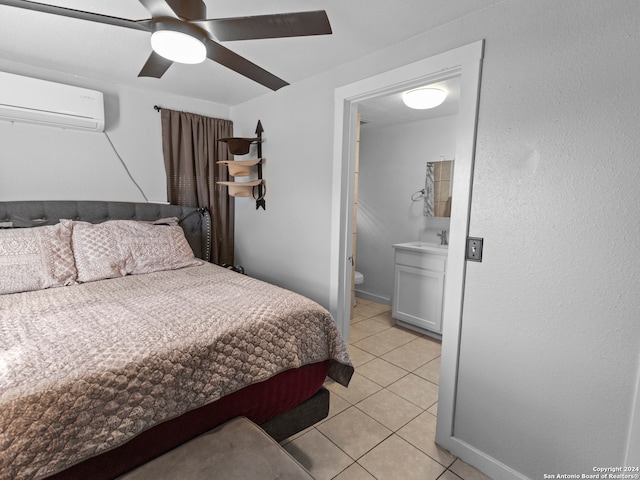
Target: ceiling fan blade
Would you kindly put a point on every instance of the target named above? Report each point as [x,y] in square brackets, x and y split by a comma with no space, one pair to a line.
[79,14]
[186,9]
[158,8]
[189,9]
[235,62]
[297,24]
[156,66]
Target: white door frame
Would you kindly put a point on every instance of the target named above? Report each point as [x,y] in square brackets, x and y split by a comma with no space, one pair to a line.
[465,62]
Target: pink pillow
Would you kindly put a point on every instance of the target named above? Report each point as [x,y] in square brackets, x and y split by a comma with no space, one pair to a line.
[120,247]
[36,258]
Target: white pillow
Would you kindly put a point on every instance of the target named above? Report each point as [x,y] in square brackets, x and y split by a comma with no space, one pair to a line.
[120,247]
[36,258]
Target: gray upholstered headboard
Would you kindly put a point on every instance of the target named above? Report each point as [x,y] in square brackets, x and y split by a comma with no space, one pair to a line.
[196,223]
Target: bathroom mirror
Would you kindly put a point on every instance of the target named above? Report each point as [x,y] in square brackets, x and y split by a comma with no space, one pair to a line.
[437,188]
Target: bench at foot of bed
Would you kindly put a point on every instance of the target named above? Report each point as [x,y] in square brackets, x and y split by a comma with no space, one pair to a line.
[236,450]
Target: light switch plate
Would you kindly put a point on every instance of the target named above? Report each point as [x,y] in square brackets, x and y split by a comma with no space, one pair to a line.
[474,249]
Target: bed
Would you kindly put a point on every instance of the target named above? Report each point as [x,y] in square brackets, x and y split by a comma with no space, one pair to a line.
[144,345]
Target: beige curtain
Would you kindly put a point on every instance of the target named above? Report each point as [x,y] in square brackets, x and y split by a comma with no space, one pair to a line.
[191,149]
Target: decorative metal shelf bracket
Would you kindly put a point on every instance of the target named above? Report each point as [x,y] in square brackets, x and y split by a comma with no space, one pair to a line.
[262,189]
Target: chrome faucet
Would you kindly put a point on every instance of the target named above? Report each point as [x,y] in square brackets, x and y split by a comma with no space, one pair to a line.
[443,237]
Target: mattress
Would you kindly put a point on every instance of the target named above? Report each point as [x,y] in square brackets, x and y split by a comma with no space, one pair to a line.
[86,368]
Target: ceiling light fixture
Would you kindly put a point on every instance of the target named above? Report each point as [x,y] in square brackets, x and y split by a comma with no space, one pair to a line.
[424,97]
[178,46]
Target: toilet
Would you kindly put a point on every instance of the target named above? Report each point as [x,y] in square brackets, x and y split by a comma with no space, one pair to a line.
[357,280]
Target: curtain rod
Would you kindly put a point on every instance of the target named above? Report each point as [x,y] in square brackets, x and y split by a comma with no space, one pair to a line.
[157,108]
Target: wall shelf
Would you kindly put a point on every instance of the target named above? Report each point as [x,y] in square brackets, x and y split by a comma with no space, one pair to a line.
[241,189]
[244,168]
[240,168]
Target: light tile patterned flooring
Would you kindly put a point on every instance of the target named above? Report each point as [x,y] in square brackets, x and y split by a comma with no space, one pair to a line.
[383,426]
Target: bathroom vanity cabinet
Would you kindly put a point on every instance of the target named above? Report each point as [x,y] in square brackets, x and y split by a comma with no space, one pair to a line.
[418,292]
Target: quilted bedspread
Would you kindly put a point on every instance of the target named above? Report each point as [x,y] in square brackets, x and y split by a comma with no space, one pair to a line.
[87,367]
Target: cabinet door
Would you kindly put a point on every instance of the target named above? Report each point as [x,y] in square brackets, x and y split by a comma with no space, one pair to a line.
[418,297]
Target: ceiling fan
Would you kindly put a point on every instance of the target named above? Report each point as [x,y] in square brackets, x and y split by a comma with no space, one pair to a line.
[181,33]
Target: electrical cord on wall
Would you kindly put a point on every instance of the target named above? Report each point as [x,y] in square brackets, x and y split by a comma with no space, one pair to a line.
[125,167]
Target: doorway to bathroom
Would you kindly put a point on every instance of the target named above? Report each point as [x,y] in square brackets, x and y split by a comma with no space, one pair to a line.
[463,63]
[402,187]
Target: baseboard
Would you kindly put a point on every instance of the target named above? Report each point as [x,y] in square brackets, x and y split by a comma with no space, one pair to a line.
[373,297]
[480,460]
[423,331]
[633,442]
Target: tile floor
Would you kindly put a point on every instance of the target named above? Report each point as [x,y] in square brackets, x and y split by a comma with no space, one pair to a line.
[383,425]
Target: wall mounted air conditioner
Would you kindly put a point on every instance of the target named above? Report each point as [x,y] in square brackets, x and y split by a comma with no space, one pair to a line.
[25,99]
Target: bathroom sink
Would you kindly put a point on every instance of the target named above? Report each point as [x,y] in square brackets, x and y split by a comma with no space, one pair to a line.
[425,244]
[428,246]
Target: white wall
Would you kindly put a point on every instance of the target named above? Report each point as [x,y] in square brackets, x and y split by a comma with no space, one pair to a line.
[49,163]
[392,169]
[550,337]
[289,242]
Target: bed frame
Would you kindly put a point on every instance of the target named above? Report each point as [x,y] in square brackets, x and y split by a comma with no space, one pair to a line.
[196,224]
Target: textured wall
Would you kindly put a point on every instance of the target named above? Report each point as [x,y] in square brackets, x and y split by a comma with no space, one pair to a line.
[550,331]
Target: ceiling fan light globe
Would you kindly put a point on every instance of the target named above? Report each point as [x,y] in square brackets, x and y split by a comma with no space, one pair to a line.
[178,47]
[423,98]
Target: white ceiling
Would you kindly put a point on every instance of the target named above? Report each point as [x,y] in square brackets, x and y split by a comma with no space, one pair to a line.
[391,110]
[116,55]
